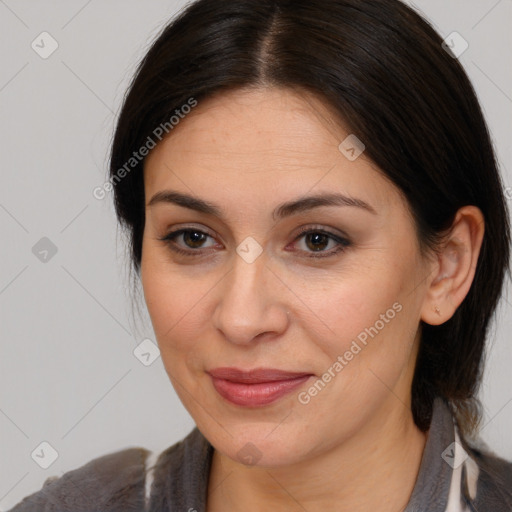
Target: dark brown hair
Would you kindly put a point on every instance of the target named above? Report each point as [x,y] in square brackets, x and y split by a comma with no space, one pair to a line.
[384,73]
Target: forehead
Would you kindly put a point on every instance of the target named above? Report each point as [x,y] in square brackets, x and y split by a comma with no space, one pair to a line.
[258,144]
[275,118]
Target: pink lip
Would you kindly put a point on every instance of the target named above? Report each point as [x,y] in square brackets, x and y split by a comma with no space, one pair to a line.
[255,387]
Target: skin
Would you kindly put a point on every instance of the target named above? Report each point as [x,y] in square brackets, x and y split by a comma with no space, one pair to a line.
[249,151]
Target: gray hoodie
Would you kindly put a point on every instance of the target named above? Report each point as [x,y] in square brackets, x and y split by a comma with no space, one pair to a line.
[453,477]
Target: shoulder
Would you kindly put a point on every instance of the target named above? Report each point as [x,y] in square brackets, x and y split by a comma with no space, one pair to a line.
[490,482]
[112,482]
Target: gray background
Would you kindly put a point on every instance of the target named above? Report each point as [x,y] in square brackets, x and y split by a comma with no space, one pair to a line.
[68,375]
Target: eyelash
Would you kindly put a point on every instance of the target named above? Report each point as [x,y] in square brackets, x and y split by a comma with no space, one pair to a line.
[343,242]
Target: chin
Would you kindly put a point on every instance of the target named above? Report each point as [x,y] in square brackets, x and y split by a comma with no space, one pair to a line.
[259,445]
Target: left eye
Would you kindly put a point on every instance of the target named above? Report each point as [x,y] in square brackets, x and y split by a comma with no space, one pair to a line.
[317,240]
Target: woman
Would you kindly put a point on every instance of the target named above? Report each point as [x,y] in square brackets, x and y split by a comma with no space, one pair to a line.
[316,216]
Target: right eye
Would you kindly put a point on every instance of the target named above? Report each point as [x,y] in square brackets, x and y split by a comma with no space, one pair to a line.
[192,238]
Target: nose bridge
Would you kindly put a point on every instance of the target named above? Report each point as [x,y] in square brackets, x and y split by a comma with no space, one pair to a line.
[245,295]
[249,304]
[247,277]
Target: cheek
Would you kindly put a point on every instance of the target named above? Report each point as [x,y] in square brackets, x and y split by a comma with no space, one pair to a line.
[366,353]
[176,302]
[365,324]
[346,305]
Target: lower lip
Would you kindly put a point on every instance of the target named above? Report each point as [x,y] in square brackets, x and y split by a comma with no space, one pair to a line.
[254,395]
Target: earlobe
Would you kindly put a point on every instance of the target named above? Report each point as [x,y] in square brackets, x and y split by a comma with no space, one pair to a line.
[455,268]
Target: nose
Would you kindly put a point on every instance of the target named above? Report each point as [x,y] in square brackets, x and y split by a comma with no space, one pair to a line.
[249,305]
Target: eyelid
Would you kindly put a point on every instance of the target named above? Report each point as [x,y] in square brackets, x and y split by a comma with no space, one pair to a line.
[335,233]
[175,230]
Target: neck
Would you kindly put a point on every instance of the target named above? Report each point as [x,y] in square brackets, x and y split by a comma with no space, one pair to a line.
[384,458]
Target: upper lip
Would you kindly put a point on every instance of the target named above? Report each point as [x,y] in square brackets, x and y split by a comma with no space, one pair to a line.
[255,375]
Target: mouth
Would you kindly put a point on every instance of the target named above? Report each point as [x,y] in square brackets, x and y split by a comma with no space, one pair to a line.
[255,388]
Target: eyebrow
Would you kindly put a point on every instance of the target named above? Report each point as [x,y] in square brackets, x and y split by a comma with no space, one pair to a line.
[283,210]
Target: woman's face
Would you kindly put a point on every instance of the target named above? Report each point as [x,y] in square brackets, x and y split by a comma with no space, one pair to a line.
[331,293]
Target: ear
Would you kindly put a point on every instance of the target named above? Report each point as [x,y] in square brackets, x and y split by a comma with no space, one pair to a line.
[454,271]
